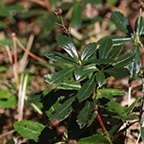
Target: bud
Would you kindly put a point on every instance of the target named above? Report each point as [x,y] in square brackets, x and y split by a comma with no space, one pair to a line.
[58,12]
[72,142]
[54,123]
[61,129]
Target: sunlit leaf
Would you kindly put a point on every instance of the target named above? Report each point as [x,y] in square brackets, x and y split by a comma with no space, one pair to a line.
[88,51]
[82,72]
[29,129]
[7,99]
[67,44]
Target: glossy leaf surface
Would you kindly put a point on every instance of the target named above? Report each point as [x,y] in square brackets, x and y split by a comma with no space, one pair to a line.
[66,43]
[88,51]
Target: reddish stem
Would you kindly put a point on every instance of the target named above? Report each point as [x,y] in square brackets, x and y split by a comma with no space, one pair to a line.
[100,121]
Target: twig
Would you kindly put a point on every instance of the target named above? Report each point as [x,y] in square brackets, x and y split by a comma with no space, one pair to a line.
[22,93]
[7,133]
[99,119]
[15,63]
[23,62]
[29,53]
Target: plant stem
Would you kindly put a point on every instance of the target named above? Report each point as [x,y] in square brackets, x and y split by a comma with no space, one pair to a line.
[100,121]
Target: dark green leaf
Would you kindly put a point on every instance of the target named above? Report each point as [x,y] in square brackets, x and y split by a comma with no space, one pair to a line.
[63,110]
[69,85]
[121,21]
[118,109]
[118,72]
[100,77]
[59,57]
[119,40]
[88,51]
[86,90]
[105,47]
[140,25]
[95,139]
[104,61]
[76,15]
[115,51]
[66,43]
[87,115]
[82,72]
[7,100]
[59,76]
[29,129]
[125,59]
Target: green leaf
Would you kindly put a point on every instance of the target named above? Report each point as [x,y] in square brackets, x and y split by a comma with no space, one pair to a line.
[95,139]
[69,85]
[86,90]
[132,106]
[61,58]
[105,47]
[3,68]
[10,10]
[63,110]
[82,72]
[7,100]
[109,92]
[118,109]
[117,72]
[115,51]
[100,77]
[125,60]
[29,129]
[140,25]
[135,66]
[59,76]
[87,115]
[66,43]
[121,21]
[119,40]
[76,15]
[88,51]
